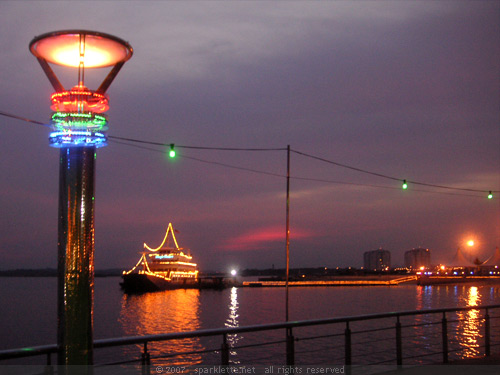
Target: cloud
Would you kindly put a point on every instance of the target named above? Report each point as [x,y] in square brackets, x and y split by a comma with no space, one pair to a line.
[263,238]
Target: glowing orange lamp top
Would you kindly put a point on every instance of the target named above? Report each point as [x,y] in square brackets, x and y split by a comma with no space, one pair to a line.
[78,119]
[65,48]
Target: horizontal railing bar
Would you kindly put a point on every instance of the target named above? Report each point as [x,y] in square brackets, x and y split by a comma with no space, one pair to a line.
[363,355]
[263,358]
[273,326]
[466,320]
[101,343]
[373,330]
[357,343]
[257,344]
[28,352]
[421,324]
[327,347]
[118,363]
[386,361]
[423,355]
[158,357]
[375,353]
[305,338]
[311,351]
[172,355]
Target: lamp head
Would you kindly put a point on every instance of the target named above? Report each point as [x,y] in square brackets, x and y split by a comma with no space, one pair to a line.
[78,119]
[70,47]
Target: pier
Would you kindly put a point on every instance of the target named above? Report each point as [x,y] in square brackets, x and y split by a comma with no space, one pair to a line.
[347,281]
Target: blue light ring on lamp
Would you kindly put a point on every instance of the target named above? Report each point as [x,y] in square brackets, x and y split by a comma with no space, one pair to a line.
[61,139]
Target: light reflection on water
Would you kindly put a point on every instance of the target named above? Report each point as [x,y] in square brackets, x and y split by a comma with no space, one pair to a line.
[164,312]
[423,335]
[188,310]
[468,332]
[116,315]
[232,321]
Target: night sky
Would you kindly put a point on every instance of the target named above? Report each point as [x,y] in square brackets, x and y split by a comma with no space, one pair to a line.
[406,89]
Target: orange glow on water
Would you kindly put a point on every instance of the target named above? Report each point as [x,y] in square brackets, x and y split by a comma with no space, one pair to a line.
[470,325]
[164,312]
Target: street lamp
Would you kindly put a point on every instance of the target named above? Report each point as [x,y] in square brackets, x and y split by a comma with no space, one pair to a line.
[79,128]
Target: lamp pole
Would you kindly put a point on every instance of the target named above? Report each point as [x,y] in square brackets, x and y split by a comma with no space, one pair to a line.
[287,228]
[76,255]
[290,357]
[79,128]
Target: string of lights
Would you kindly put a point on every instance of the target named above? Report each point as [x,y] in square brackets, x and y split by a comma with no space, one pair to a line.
[345,166]
[202,160]
[403,181]
[171,147]
[196,147]
[5,114]
[384,187]
[304,178]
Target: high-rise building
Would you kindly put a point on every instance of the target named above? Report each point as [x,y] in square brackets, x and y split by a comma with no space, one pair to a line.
[377,260]
[417,258]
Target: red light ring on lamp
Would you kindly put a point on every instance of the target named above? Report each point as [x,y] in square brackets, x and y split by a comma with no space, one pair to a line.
[82,100]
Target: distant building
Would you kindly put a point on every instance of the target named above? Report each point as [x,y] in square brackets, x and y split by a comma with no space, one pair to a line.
[377,260]
[417,258]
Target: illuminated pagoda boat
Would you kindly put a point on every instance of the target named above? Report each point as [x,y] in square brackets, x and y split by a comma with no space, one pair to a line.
[162,268]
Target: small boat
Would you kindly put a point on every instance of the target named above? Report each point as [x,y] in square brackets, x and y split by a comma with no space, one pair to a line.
[162,268]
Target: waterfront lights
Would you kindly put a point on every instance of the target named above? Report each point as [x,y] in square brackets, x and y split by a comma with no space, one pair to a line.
[74,119]
[405,185]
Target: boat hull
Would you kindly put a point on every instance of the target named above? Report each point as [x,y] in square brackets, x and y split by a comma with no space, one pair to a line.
[141,283]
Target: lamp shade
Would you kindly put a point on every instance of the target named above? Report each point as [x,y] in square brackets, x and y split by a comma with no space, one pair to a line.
[71,47]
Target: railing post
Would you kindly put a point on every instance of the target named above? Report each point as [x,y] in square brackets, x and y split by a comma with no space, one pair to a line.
[224,351]
[348,353]
[399,344]
[145,359]
[487,345]
[49,370]
[444,335]
[290,348]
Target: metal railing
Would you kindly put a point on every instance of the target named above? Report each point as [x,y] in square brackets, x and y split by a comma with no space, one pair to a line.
[437,335]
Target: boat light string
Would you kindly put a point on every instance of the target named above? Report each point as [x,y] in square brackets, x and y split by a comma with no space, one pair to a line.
[170,229]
